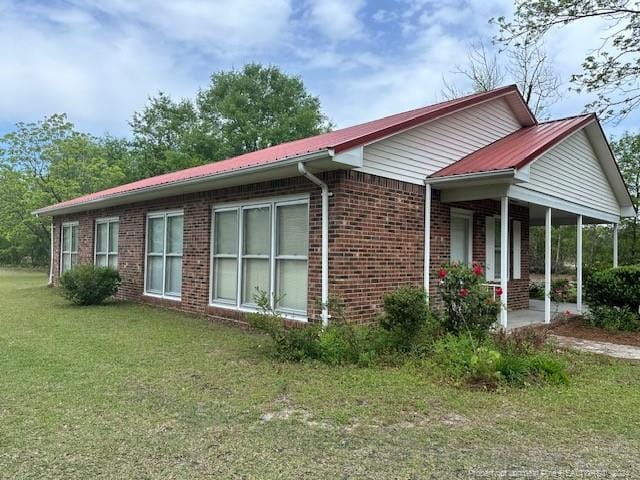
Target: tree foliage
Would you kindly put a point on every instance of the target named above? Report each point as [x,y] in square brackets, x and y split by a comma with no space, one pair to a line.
[40,164]
[612,72]
[240,111]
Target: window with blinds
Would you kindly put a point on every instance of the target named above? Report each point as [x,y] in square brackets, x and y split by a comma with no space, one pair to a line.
[261,248]
[163,275]
[106,243]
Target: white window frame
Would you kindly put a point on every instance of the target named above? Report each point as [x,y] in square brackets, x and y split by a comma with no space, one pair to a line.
[163,214]
[74,226]
[109,253]
[490,252]
[466,215]
[273,204]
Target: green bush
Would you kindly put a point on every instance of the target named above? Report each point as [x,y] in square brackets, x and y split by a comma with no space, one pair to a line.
[406,312]
[89,285]
[614,287]
[493,363]
[536,290]
[469,305]
[613,319]
[522,341]
[338,344]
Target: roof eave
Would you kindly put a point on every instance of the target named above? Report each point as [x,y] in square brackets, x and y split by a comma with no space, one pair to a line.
[190,184]
[506,175]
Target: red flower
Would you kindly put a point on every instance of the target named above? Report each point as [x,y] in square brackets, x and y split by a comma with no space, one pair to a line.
[442,273]
[463,292]
[477,270]
[499,291]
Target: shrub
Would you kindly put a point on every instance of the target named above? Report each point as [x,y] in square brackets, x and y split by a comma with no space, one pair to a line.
[468,304]
[339,343]
[613,319]
[536,290]
[405,313]
[492,362]
[614,287]
[89,285]
[522,341]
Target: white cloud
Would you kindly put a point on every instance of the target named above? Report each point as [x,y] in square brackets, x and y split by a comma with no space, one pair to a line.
[337,19]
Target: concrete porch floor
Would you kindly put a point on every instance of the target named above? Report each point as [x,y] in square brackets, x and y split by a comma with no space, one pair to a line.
[535,313]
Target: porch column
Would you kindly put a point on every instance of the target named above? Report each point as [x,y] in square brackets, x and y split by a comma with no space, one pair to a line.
[615,245]
[547,266]
[504,257]
[579,265]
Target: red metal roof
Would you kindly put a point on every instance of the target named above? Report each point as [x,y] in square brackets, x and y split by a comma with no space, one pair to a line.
[518,149]
[337,140]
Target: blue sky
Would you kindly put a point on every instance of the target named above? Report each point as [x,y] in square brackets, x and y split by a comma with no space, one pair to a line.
[99,60]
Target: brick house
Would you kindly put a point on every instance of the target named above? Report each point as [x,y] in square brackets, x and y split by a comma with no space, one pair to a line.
[347,213]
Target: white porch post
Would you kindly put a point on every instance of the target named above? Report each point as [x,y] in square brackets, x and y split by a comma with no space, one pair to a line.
[579,265]
[504,257]
[547,266]
[427,236]
[615,245]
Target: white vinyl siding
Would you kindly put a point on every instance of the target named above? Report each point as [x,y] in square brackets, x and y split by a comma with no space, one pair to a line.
[68,246]
[571,171]
[106,243]
[261,247]
[163,267]
[412,155]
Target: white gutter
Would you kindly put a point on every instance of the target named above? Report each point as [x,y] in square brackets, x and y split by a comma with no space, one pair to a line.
[324,297]
[504,173]
[51,259]
[94,203]
[427,236]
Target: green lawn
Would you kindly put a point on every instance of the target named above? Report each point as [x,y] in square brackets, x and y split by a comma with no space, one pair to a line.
[128,391]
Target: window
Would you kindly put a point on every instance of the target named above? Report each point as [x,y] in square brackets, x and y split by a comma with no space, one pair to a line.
[461,236]
[494,249]
[106,248]
[163,275]
[69,243]
[497,250]
[261,247]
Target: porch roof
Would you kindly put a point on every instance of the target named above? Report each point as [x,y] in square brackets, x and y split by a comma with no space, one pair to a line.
[517,150]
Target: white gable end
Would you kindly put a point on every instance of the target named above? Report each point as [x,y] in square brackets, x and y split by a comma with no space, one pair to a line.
[571,171]
[412,155]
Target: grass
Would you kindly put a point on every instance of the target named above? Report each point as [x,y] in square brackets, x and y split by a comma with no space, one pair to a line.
[129,391]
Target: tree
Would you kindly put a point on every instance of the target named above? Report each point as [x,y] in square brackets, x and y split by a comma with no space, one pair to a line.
[240,111]
[627,150]
[612,72]
[526,64]
[40,164]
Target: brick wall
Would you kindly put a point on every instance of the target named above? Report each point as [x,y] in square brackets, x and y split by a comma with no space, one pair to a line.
[517,290]
[376,241]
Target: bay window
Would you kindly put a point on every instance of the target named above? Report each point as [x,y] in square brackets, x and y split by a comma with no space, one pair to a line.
[106,243]
[261,247]
[163,275]
[69,246]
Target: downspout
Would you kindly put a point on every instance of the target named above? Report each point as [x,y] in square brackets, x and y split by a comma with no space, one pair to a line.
[324,297]
[51,256]
[427,235]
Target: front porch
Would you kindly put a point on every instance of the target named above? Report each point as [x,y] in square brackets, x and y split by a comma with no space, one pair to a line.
[535,314]
[499,241]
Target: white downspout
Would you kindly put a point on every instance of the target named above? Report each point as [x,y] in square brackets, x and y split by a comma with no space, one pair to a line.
[427,236]
[51,257]
[324,297]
